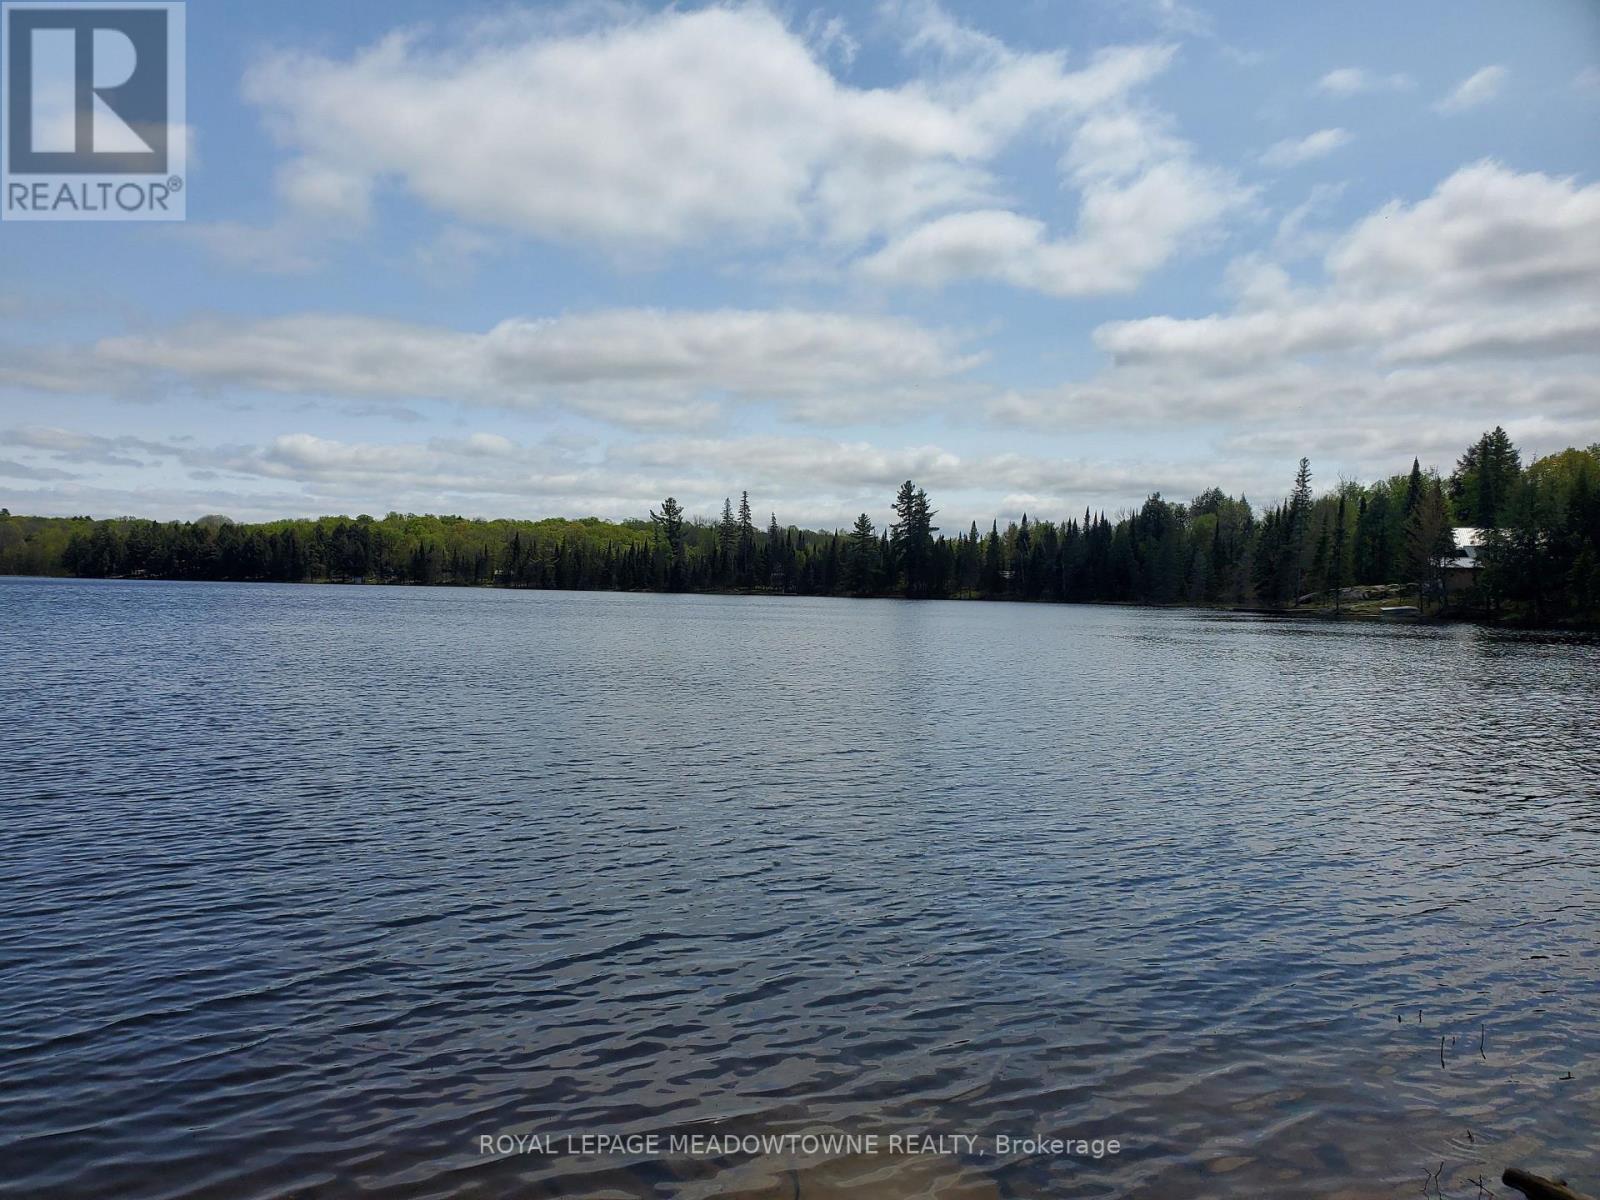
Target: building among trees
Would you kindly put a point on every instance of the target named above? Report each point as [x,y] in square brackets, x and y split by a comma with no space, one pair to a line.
[1531,550]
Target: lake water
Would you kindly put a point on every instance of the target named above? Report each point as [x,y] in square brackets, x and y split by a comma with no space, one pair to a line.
[307,890]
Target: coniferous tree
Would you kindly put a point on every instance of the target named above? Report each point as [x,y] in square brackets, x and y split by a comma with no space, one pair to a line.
[775,555]
[1299,516]
[1271,558]
[992,570]
[1540,561]
[669,522]
[1023,546]
[862,556]
[1480,487]
[1374,556]
[727,540]
[747,541]
[1430,543]
[911,537]
[1414,490]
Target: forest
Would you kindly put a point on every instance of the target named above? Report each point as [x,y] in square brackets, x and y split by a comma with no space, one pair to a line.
[1540,551]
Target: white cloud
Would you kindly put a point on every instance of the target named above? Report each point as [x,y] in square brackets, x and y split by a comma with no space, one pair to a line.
[724,128]
[670,129]
[326,191]
[1143,200]
[814,481]
[453,254]
[1291,152]
[1355,81]
[637,367]
[1493,262]
[830,37]
[1474,306]
[1269,396]
[1587,81]
[1478,88]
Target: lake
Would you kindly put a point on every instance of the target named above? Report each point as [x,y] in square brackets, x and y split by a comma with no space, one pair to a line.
[308,891]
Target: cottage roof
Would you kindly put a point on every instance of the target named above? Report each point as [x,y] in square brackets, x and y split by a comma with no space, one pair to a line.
[1469,542]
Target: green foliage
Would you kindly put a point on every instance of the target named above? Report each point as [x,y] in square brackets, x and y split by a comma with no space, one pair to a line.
[862,569]
[669,523]
[1484,479]
[1430,542]
[1541,557]
[911,541]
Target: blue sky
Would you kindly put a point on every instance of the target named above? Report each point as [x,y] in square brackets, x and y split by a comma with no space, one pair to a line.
[533,260]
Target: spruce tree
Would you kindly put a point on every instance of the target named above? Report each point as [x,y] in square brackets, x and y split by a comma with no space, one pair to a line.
[775,555]
[992,569]
[669,525]
[902,536]
[747,541]
[912,537]
[1429,541]
[727,539]
[1413,490]
[863,550]
[1299,517]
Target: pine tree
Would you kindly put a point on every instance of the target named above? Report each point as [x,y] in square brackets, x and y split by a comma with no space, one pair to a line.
[727,539]
[1413,490]
[863,551]
[776,558]
[1429,541]
[1270,558]
[912,537]
[1483,479]
[669,525]
[747,541]
[1024,545]
[1374,557]
[903,537]
[1299,516]
[992,568]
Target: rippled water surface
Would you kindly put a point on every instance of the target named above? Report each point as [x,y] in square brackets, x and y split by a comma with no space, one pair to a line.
[306,890]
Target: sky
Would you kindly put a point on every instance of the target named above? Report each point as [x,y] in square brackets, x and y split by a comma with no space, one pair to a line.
[531,260]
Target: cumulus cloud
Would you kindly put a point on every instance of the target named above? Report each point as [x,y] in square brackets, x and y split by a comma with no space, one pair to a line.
[661,130]
[1428,321]
[1291,152]
[1493,262]
[723,127]
[1355,81]
[1143,199]
[637,367]
[1475,305]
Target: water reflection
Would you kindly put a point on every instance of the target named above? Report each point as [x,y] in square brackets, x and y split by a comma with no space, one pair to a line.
[307,889]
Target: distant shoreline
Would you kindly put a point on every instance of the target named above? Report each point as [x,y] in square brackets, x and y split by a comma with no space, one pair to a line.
[1320,612]
[1497,543]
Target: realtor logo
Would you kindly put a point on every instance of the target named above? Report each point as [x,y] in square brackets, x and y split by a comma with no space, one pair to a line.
[93,118]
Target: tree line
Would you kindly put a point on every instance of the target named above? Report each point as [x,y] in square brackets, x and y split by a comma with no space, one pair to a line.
[1540,553]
